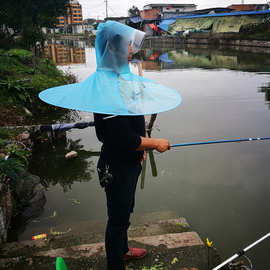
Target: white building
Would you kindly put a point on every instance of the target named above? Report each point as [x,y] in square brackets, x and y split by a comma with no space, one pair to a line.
[78,28]
[174,8]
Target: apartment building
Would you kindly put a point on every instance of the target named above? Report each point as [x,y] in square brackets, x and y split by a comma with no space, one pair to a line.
[73,16]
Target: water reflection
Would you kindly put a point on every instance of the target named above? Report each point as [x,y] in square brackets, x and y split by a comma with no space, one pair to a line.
[65,53]
[204,58]
[266,90]
[50,164]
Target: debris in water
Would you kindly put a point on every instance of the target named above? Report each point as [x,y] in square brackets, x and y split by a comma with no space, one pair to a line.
[39,236]
[174,260]
[208,243]
[53,215]
[55,233]
[71,155]
[75,201]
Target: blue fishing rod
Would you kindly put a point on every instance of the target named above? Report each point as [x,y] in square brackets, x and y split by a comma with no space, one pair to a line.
[220,141]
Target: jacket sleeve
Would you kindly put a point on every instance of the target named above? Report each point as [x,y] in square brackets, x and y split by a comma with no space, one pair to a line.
[120,134]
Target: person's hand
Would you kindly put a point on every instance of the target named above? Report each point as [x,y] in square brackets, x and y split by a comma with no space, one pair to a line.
[144,155]
[162,145]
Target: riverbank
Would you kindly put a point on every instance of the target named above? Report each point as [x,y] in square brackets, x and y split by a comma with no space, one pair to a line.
[22,77]
[232,40]
[171,244]
[21,194]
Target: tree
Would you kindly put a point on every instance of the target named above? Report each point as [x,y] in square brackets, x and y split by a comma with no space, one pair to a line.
[133,11]
[24,19]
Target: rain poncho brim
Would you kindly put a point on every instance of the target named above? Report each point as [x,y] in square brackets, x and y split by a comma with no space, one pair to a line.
[113,89]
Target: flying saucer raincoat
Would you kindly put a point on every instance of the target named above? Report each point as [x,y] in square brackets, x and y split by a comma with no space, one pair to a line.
[113,89]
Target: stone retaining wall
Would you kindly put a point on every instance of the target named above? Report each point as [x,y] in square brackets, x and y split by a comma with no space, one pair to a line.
[6,207]
[222,39]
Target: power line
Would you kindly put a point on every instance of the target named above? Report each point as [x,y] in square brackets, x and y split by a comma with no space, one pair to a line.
[106,2]
[112,10]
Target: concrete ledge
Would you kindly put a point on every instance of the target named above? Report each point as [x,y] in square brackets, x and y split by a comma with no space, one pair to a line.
[75,252]
[205,38]
[170,241]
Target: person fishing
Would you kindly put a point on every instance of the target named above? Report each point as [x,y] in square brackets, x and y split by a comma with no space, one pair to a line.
[119,100]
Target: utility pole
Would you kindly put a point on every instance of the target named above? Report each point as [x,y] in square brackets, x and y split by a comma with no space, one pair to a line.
[106,2]
[242,2]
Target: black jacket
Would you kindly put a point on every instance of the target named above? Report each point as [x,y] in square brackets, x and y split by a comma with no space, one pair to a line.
[121,136]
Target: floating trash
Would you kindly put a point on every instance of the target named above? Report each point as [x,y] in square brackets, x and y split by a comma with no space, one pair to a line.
[39,236]
[53,215]
[75,202]
[56,233]
[174,260]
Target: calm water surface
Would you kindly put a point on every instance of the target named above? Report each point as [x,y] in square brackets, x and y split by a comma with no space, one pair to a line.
[222,190]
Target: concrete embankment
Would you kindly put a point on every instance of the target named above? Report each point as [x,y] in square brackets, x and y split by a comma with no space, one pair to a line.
[218,40]
[171,244]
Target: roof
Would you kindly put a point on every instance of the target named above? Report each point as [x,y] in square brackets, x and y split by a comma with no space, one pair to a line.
[170,5]
[247,5]
[237,13]
[207,10]
[136,19]
[115,18]
[167,15]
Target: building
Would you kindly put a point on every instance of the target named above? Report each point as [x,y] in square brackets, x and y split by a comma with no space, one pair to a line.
[117,19]
[73,16]
[249,7]
[177,8]
[156,11]
[170,15]
[152,13]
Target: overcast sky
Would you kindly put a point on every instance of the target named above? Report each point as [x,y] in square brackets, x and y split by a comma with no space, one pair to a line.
[96,8]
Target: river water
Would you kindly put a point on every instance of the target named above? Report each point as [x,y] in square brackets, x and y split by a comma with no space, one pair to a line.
[221,189]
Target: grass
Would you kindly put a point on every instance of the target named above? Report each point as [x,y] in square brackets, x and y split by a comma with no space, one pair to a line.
[23,76]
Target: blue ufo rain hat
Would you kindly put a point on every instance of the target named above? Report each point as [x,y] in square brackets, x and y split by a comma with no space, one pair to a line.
[113,89]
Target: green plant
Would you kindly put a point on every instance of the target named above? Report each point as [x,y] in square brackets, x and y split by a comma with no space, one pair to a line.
[11,169]
[3,142]
[20,53]
[21,155]
[21,80]
[5,133]
[18,90]
[159,266]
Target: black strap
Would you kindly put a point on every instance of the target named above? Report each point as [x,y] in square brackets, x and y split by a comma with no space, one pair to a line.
[240,253]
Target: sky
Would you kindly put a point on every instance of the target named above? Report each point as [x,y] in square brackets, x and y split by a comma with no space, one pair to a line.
[117,8]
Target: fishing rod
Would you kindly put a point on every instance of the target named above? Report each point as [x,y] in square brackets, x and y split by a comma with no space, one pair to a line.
[242,252]
[58,128]
[221,141]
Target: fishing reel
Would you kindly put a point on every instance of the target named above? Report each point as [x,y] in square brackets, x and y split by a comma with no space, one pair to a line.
[105,177]
[241,265]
